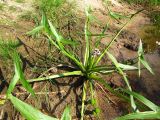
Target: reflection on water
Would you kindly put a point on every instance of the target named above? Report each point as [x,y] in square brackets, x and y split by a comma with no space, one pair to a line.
[150,35]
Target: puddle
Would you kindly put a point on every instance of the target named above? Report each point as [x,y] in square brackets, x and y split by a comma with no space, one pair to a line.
[148,84]
[149,35]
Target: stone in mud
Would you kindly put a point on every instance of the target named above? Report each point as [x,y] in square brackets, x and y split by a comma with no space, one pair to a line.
[130,40]
[131,46]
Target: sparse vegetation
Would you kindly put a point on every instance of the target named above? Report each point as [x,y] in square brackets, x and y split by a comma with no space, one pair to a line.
[60,12]
[2,6]
[89,67]
[20,1]
[12,8]
[27,16]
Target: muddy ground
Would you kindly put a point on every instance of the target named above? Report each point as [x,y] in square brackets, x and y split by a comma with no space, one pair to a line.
[52,97]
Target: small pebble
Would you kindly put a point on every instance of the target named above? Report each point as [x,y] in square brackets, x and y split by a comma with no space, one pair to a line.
[158,43]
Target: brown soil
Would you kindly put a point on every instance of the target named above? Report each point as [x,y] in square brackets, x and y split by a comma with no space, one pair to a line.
[52,97]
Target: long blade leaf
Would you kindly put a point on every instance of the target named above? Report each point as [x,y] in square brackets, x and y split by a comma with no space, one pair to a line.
[87,49]
[127,67]
[66,114]
[142,59]
[113,59]
[13,83]
[144,100]
[19,73]
[35,30]
[141,115]
[146,65]
[27,111]
[74,73]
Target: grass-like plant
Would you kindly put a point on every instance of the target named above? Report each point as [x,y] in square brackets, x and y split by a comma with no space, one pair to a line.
[2,6]
[152,113]
[29,112]
[60,12]
[6,47]
[89,68]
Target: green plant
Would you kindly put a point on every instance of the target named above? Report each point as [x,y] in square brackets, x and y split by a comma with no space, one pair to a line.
[2,6]
[154,112]
[89,68]
[6,46]
[60,12]
[30,113]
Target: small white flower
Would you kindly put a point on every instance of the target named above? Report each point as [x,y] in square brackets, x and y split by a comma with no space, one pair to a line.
[158,43]
[96,52]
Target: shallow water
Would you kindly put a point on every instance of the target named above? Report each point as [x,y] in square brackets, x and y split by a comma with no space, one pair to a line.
[149,35]
[148,84]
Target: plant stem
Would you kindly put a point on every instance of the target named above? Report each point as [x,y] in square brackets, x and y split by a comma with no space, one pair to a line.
[79,73]
[91,89]
[103,82]
[110,43]
[83,100]
[87,51]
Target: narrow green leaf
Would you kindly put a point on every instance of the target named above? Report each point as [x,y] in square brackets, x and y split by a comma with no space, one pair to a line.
[27,111]
[140,48]
[12,84]
[116,15]
[141,115]
[139,67]
[51,31]
[35,30]
[74,73]
[142,59]
[106,71]
[57,36]
[19,75]
[100,36]
[113,59]
[87,48]
[44,19]
[110,43]
[144,100]
[114,38]
[146,65]
[69,42]
[45,24]
[54,32]
[52,42]
[83,100]
[140,52]
[127,67]
[66,114]
[104,67]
